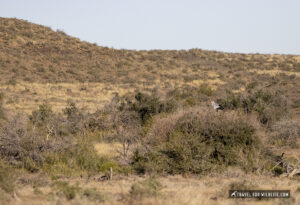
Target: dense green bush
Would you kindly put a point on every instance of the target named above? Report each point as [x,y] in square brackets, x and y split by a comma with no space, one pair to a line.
[198,141]
[149,105]
[145,105]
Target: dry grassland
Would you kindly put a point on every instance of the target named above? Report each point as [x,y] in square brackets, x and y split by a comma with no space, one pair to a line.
[179,190]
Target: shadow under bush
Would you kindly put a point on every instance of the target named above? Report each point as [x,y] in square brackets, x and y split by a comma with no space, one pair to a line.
[199,141]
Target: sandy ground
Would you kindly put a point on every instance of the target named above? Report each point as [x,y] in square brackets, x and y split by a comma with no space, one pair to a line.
[176,190]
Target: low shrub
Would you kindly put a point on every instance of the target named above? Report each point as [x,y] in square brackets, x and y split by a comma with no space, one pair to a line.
[93,195]
[75,119]
[41,115]
[242,185]
[76,159]
[199,141]
[147,188]
[69,191]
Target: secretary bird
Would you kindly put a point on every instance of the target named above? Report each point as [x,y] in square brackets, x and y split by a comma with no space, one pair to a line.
[216,106]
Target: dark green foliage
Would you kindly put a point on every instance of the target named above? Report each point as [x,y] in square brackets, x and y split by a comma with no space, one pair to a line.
[278,171]
[200,142]
[147,106]
[42,115]
[75,118]
[70,110]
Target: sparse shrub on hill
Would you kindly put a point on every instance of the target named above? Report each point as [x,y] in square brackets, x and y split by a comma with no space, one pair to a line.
[199,141]
[146,106]
[191,95]
[42,115]
[271,106]
[74,118]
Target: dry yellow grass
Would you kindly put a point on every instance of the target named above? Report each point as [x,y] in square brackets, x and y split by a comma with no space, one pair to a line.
[275,72]
[176,190]
[108,149]
[27,96]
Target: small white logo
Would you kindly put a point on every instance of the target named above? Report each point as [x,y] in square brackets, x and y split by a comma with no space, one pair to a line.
[233,194]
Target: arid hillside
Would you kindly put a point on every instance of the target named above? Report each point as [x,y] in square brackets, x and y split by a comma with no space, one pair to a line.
[38,64]
[85,124]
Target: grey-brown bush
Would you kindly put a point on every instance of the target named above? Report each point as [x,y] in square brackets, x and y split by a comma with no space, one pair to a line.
[18,144]
[128,131]
[286,133]
[34,147]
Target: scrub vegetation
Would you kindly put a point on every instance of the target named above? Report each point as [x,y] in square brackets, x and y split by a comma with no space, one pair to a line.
[85,124]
